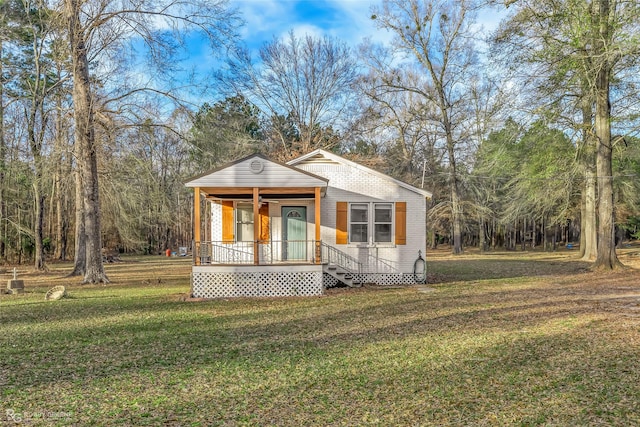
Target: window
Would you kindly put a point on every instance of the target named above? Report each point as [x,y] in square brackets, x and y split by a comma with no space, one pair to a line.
[382,222]
[371,222]
[244,222]
[359,224]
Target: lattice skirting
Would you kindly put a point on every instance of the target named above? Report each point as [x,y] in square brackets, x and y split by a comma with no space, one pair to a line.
[381,279]
[209,284]
[329,281]
[386,278]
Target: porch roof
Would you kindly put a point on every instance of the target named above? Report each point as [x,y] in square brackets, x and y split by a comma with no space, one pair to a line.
[239,178]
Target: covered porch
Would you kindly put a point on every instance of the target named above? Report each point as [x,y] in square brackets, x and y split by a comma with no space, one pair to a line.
[257,231]
[257,226]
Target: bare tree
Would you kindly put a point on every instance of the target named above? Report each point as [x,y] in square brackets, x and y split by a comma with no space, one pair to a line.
[400,118]
[307,80]
[438,36]
[98,30]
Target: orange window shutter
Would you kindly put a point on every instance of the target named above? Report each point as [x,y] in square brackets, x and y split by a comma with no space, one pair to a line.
[341,223]
[401,223]
[264,222]
[228,223]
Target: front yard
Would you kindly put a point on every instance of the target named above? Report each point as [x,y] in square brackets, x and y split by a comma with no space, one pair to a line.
[499,340]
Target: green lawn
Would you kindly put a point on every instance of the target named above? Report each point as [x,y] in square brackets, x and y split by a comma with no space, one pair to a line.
[498,340]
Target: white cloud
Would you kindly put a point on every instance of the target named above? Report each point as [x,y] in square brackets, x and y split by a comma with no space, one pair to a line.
[263,18]
[357,23]
[347,20]
[302,30]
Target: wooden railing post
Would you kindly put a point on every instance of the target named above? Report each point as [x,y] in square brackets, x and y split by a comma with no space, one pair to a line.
[196,224]
[318,224]
[256,225]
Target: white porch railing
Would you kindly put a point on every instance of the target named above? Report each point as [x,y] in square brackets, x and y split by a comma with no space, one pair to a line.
[373,264]
[286,251]
[331,255]
[269,252]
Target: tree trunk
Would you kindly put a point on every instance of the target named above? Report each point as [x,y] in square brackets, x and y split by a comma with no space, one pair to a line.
[620,236]
[534,234]
[493,233]
[38,223]
[80,255]
[482,236]
[3,156]
[588,232]
[85,138]
[56,209]
[457,218]
[606,254]
[39,261]
[59,193]
[456,206]
[434,240]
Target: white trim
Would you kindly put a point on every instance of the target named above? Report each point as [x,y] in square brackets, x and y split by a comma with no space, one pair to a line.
[371,224]
[225,268]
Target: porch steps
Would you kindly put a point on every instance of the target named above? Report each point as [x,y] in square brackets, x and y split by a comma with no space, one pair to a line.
[342,275]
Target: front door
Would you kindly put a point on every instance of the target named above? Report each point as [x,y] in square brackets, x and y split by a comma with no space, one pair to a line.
[294,233]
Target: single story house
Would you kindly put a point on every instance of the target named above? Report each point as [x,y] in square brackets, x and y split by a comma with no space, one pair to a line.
[264,228]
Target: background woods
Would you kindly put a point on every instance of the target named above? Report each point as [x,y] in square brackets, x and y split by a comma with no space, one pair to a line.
[527,136]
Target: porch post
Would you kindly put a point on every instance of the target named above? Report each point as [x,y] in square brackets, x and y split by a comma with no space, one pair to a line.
[196,225]
[256,225]
[317,221]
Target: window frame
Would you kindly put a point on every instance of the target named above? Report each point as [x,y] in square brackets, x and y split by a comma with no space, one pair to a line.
[375,223]
[351,223]
[238,223]
[371,224]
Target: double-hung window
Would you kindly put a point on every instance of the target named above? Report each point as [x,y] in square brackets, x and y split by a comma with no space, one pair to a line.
[244,222]
[359,223]
[382,222]
[370,223]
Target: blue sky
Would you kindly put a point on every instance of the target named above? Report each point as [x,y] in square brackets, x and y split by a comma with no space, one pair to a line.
[347,20]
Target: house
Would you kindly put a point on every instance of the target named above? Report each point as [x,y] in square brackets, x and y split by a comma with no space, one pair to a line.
[264,228]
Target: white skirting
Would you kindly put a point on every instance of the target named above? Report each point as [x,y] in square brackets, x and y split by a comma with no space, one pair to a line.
[256,281]
[381,279]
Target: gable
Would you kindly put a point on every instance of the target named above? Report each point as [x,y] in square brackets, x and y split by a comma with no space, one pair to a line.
[257,171]
[354,177]
[351,176]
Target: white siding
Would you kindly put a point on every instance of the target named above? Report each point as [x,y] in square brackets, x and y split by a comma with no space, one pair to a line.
[348,184]
[271,175]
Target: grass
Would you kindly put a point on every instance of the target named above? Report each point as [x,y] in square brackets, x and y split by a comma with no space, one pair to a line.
[501,339]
